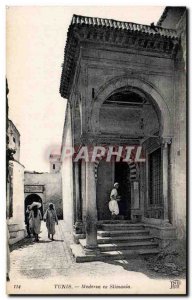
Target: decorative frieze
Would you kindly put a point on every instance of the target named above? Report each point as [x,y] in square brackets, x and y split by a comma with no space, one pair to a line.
[113,33]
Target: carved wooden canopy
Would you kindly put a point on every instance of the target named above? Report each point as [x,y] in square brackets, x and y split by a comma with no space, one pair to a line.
[117,33]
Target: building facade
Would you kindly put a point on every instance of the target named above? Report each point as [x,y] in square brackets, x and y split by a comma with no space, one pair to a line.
[14,140]
[126,85]
[45,188]
[55,163]
[14,183]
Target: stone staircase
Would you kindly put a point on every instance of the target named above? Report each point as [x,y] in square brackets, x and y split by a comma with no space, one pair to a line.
[15,233]
[118,240]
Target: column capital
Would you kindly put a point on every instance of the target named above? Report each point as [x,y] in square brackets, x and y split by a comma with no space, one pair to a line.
[166,141]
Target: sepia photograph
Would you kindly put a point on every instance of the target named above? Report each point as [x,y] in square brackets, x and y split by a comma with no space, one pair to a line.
[96,150]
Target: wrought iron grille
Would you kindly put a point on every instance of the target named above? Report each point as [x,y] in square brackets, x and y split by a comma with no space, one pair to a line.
[155,177]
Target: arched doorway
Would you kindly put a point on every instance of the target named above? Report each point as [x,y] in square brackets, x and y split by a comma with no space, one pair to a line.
[128,116]
[107,174]
[140,87]
[33,198]
[128,112]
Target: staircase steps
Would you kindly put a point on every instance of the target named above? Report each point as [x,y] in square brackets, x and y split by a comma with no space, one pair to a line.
[128,232]
[118,240]
[15,233]
[13,227]
[114,222]
[122,226]
[123,245]
[125,238]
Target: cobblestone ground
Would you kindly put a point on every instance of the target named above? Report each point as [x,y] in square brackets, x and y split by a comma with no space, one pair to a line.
[53,258]
[47,267]
[42,259]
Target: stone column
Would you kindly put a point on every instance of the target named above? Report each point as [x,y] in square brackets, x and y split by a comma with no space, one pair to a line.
[83,189]
[135,201]
[91,210]
[78,208]
[165,169]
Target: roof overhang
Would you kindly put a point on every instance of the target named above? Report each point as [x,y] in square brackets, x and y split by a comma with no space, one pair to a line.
[111,32]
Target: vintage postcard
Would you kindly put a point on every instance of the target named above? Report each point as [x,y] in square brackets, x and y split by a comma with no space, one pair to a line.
[96,142]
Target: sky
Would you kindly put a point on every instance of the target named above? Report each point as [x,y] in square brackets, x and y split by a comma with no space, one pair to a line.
[35,41]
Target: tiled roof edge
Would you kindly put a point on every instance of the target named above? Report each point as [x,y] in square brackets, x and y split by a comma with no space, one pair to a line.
[115,24]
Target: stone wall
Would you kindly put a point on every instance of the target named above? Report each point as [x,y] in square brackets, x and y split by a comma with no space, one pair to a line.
[67,175]
[123,120]
[14,139]
[179,162]
[18,195]
[52,189]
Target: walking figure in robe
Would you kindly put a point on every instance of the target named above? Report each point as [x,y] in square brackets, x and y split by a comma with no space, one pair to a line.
[50,217]
[35,218]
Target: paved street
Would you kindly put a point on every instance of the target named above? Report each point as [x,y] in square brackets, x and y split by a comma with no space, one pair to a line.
[43,267]
[53,258]
[42,259]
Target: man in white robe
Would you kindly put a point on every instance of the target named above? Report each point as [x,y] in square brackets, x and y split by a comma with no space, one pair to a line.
[114,198]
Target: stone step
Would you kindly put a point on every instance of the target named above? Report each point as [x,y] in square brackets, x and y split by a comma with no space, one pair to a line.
[13,227]
[124,246]
[122,226]
[127,246]
[122,232]
[13,234]
[20,234]
[80,256]
[100,222]
[127,239]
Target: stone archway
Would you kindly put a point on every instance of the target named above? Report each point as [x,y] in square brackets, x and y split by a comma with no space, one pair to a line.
[33,198]
[131,164]
[140,86]
[151,93]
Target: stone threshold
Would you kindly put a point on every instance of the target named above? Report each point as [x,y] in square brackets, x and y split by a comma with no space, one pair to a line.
[80,256]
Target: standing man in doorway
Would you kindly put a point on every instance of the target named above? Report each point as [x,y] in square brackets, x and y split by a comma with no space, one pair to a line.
[113,203]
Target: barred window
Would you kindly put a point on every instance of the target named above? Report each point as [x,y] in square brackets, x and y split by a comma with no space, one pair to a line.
[155,178]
